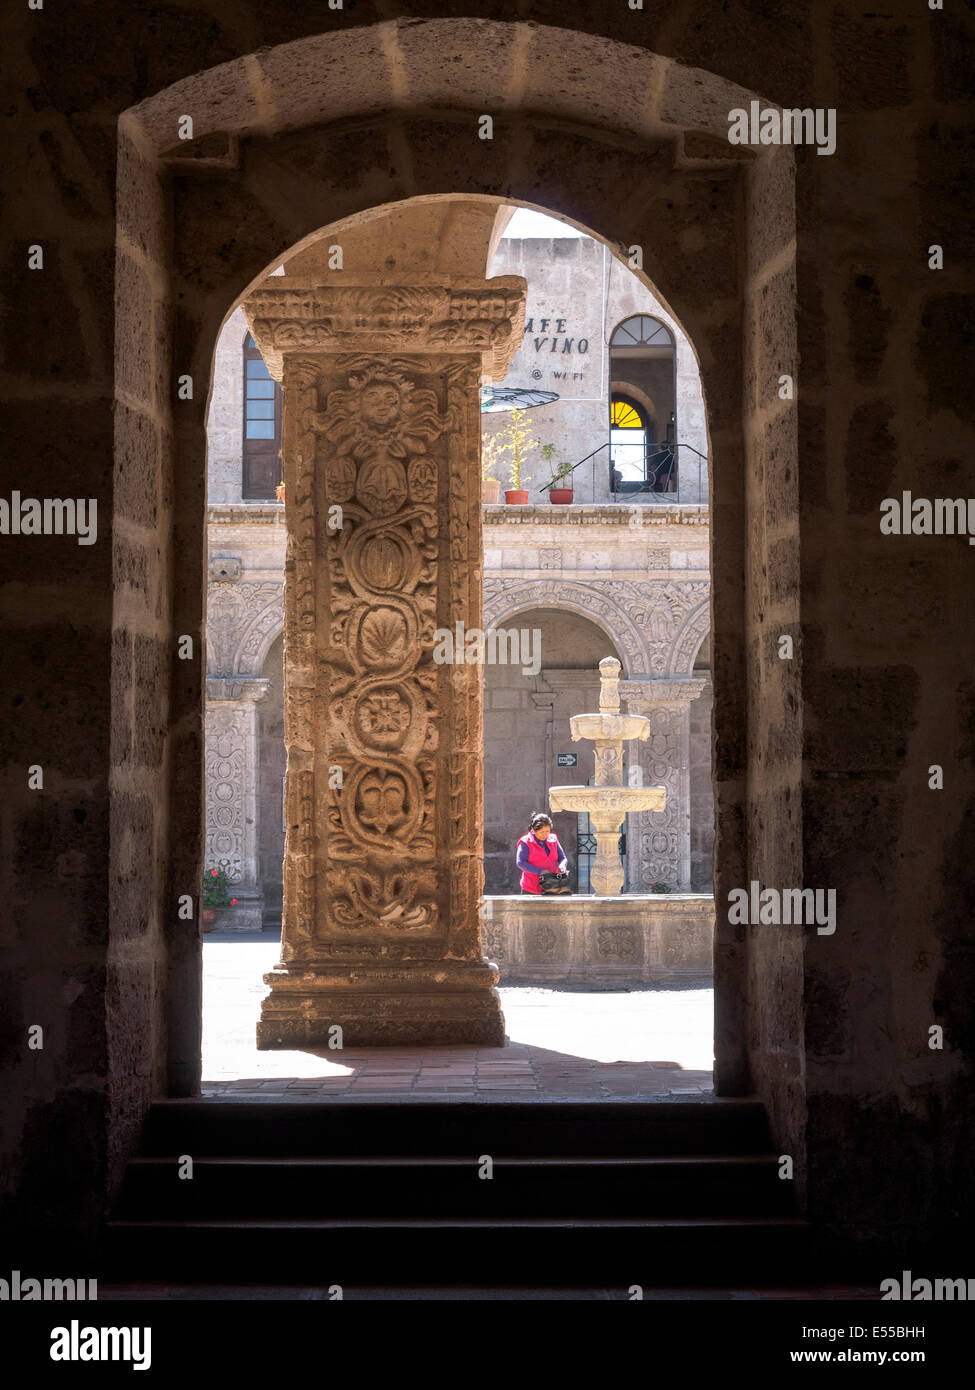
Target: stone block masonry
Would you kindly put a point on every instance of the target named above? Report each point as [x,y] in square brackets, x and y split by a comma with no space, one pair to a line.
[774,260]
[628,941]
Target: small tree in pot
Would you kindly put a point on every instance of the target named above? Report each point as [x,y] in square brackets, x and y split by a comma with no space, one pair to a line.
[511,445]
[559,468]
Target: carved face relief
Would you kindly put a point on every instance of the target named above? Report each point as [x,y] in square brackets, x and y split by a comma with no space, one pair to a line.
[380,404]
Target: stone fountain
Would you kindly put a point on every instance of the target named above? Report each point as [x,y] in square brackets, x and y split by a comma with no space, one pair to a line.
[609,801]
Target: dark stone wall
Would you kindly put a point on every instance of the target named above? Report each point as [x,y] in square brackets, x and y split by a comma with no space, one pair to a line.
[820,764]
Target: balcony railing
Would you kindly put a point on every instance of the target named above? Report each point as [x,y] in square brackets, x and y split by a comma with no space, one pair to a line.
[647,473]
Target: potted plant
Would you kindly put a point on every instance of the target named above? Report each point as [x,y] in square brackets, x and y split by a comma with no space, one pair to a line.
[216,894]
[559,468]
[490,485]
[279,491]
[512,444]
[659,888]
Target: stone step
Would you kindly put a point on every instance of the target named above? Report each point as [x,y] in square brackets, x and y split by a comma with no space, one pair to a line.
[460,1251]
[445,1186]
[212,1127]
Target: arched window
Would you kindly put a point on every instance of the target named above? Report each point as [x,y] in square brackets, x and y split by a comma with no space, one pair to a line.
[625,416]
[627,442]
[261,471]
[643,424]
[642,331]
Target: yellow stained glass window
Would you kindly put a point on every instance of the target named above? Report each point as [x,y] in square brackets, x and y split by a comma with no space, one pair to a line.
[624,417]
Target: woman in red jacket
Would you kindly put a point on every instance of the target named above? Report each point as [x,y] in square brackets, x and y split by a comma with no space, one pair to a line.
[539,852]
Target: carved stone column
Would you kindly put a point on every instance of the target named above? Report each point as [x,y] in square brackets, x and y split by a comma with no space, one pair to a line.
[384,807]
[663,838]
[231,793]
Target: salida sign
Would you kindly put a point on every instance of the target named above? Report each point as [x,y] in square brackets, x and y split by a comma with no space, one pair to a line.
[552,331]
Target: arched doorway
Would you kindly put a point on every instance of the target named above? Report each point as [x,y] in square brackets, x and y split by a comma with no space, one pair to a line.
[642,424]
[586,202]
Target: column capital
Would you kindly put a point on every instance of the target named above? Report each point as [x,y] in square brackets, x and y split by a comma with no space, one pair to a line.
[641,696]
[462,315]
[239,689]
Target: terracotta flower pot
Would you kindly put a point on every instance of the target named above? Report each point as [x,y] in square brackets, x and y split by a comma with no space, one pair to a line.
[560,495]
[490,490]
[516,496]
[209,917]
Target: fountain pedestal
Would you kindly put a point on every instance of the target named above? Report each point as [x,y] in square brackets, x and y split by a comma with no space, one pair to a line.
[609,801]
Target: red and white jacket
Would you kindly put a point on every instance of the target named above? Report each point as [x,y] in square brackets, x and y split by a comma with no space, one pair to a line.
[537,856]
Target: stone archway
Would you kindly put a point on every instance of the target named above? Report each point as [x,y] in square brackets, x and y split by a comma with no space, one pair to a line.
[734,274]
[504,599]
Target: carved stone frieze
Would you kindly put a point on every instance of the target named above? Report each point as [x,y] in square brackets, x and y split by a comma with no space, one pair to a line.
[540,942]
[242,620]
[226,773]
[665,758]
[616,941]
[657,624]
[485,318]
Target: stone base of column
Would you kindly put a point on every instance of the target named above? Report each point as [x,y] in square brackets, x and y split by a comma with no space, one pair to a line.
[382,1006]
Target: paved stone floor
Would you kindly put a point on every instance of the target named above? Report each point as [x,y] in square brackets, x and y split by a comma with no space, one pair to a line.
[562,1045]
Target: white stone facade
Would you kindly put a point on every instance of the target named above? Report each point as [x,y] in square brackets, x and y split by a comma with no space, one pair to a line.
[576,284]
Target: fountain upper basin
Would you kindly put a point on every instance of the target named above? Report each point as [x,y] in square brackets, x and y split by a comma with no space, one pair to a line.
[595,799]
[608,727]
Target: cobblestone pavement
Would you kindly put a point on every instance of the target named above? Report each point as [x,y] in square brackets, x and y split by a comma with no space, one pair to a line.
[562,1045]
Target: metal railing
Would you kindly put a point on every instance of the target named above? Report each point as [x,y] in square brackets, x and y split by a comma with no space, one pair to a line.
[661,480]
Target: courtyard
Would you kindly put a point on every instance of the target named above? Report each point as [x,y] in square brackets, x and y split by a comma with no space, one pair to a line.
[561,1044]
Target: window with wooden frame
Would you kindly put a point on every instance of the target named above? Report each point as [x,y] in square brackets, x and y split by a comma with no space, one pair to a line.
[261,471]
